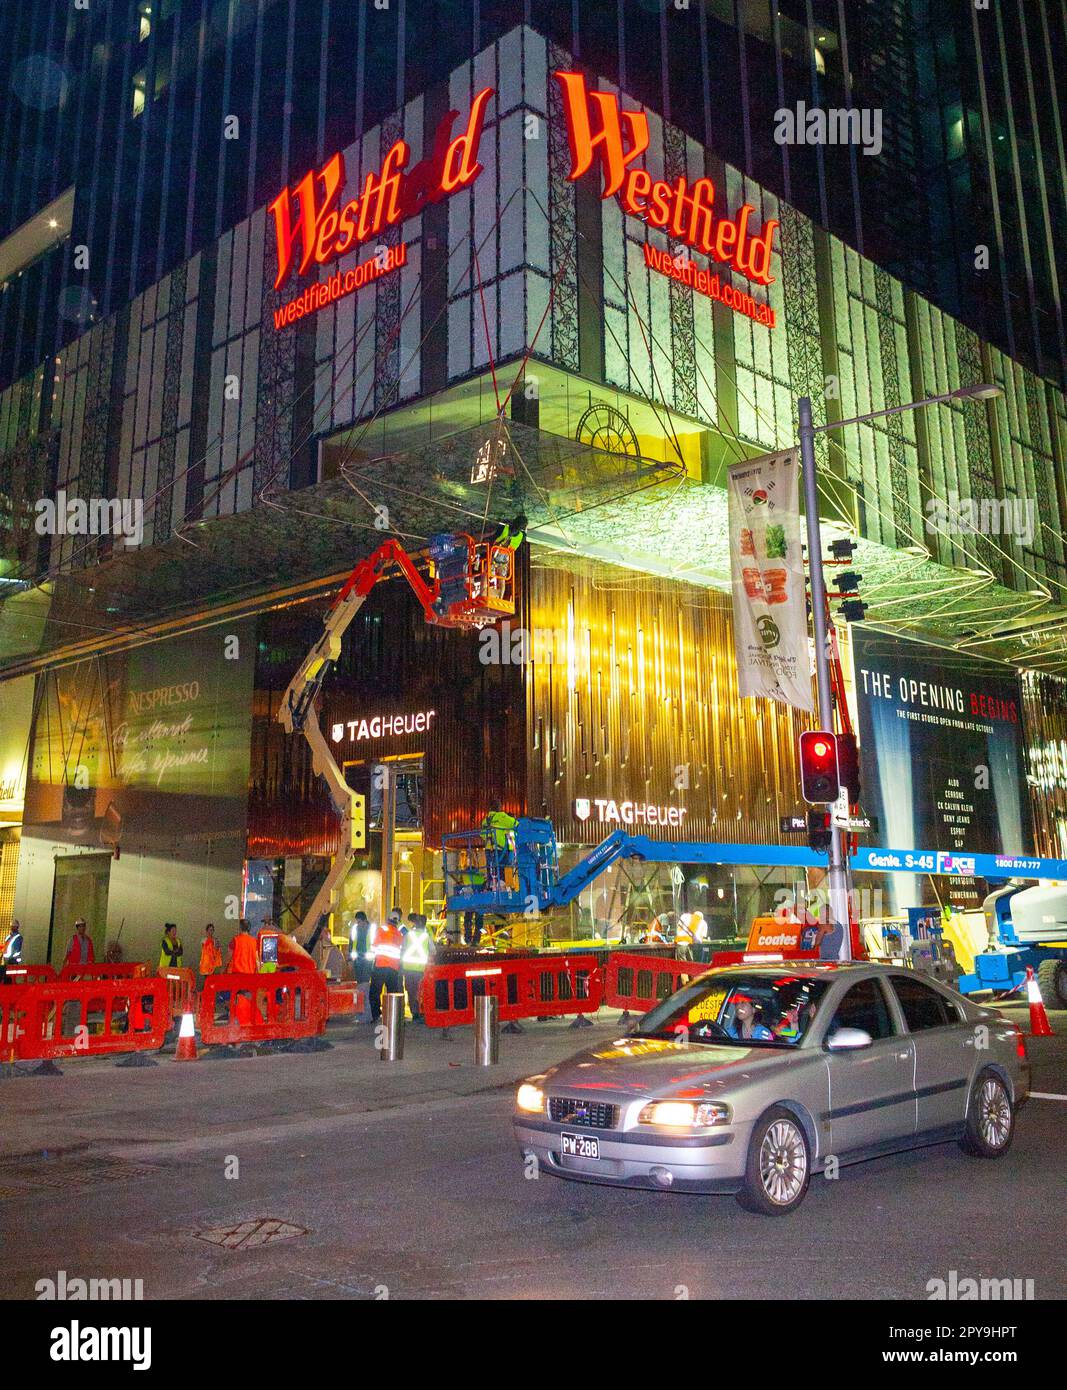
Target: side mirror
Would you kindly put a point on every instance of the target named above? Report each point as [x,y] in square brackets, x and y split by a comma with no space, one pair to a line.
[848,1039]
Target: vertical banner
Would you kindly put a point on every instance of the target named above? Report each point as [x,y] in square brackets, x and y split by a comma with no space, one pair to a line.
[767,571]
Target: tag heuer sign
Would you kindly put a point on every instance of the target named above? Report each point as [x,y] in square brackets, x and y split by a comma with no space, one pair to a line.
[582,808]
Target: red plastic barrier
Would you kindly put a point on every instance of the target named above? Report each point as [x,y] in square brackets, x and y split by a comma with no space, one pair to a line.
[181,989]
[105,970]
[30,974]
[343,997]
[262,1008]
[82,1018]
[534,988]
[638,983]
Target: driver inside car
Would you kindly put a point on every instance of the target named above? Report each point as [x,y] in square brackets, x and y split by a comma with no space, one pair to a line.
[744,1025]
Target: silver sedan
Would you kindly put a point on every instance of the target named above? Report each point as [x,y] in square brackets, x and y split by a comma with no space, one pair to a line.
[752,1078]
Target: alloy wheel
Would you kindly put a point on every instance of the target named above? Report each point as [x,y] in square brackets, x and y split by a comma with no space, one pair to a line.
[783,1162]
[994,1113]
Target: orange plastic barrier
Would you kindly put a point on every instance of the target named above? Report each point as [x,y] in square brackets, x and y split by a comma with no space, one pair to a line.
[104,970]
[181,989]
[30,974]
[638,982]
[532,988]
[262,1008]
[82,1018]
[343,997]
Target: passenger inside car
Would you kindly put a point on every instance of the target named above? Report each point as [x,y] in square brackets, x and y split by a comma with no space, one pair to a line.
[744,1024]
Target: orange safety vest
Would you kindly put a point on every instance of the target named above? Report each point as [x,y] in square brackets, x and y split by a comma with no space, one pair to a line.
[245,960]
[210,956]
[388,946]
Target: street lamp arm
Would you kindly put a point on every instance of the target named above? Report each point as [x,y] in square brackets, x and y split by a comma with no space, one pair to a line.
[982,392]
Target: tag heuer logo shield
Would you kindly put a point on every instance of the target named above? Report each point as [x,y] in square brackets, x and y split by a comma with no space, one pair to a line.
[582,808]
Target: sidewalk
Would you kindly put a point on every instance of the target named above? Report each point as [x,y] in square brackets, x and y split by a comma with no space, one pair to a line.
[176,1106]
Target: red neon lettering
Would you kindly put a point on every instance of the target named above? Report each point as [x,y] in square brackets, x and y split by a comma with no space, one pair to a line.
[617,128]
[309,215]
[598,129]
[388,197]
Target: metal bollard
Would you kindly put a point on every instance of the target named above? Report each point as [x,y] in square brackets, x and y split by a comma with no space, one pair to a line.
[393,1025]
[486,1030]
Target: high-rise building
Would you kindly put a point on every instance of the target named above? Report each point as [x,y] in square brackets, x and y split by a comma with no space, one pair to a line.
[284,279]
[141,130]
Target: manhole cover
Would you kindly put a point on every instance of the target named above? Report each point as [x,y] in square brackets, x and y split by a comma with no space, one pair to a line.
[251,1233]
[24,1175]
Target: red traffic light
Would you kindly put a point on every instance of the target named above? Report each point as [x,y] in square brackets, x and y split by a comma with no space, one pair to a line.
[819,780]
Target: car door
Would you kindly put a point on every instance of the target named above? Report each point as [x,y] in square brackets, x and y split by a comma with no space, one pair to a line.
[872,1096]
[944,1052]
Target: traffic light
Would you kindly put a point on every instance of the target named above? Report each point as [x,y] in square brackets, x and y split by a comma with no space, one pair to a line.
[852,610]
[359,821]
[848,765]
[848,582]
[818,767]
[843,549]
[819,834]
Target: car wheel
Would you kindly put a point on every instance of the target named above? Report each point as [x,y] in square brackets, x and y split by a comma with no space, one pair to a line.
[778,1168]
[990,1118]
[1052,982]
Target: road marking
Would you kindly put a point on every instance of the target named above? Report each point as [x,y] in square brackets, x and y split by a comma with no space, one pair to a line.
[1046,1095]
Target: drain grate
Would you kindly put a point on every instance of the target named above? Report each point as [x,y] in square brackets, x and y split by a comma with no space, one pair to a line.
[20,1177]
[250,1234]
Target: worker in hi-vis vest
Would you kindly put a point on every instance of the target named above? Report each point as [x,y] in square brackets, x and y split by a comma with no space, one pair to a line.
[170,948]
[417,954]
[387,946]
[498,827]
[244,959]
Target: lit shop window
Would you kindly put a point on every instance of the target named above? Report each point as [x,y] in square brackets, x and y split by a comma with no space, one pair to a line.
[139,85]
[144,15]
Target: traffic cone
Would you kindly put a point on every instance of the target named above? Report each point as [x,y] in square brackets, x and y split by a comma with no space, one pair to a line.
[186,1049]
[1039,1024]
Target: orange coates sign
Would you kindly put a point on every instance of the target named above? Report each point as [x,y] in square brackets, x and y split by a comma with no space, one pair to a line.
[599,129]
[310,215]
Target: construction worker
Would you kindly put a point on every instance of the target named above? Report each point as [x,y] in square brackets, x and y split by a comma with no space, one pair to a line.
[244,959]
[170,948]
[512,533]
[210,955]
[497,827]
[692,929]
[416,956]
[358,954]
[80,950]
[386,948]
[13,946]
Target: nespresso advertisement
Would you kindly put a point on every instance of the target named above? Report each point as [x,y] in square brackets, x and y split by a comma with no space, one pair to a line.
[941,748]
[147,749]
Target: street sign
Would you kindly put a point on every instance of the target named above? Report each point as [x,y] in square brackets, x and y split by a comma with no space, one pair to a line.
[792,825]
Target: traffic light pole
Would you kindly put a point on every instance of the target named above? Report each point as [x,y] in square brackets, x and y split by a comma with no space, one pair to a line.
[837,876]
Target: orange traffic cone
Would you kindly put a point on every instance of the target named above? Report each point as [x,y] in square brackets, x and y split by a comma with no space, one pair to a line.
[1039,1024]
[186,1049]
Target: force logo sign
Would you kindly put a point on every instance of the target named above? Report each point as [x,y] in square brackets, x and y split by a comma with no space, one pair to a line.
[768,631]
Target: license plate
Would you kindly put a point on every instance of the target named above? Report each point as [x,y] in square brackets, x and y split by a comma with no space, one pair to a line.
[580,1146]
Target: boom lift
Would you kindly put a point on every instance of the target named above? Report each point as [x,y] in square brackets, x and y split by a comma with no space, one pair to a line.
[467,584]
[483,876]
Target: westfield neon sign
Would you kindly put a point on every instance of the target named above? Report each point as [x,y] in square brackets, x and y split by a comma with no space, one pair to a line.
[599,130]
[311,216]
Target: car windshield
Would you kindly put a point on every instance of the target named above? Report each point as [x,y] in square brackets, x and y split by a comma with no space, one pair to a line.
[749,1010]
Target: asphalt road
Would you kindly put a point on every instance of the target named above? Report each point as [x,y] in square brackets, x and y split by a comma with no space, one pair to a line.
[410,1186]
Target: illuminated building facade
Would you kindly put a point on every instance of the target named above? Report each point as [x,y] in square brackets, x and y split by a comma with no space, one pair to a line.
[518,240]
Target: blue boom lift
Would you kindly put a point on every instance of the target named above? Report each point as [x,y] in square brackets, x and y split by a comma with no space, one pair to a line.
[1027,927]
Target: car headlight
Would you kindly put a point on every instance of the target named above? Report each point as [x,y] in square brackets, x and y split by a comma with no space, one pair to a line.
[530,1098]
[683,1114]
